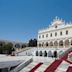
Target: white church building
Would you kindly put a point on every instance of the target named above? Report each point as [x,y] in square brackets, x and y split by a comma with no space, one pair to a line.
[57,35]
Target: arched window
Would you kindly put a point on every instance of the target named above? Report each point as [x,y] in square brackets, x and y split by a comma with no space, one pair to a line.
[50,54]
[51,35]
[39,45]
[66,32]
[61,33]
[51,43]
[55,33]
[42,43]
[46,35]
[61,43]
[42,36]
[66,42]
[46,43]
[55,43]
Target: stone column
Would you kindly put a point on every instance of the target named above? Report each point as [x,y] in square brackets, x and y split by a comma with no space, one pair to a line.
[69,42]
[53,44]
[58,43]
[49,44]
[63,43]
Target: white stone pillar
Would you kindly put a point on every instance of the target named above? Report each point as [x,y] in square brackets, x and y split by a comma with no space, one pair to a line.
[69,42]
[53,44]
[49,44]
[63,43]
[58,43]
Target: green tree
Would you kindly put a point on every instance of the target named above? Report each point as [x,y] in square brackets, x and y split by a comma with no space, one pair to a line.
[35,42]
[7,48]
[1,50]
[32,43]
[24,45]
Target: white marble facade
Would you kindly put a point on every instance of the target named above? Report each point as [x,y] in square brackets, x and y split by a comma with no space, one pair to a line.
[57,35]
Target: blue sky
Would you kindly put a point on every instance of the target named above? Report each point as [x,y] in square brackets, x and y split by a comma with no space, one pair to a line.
[20,20]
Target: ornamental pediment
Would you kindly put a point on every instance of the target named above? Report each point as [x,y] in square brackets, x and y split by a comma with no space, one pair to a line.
[57,21]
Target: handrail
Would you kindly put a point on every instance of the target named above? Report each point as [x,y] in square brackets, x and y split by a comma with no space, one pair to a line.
[27,48]
[22,65]
[65,52]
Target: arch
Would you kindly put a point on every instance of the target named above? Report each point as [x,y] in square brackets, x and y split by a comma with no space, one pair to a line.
[61,43]
[71,42]
[50,54]
[17,45]
[46,44]
[36,53]
[40,53]
[55,54]
[45,54]
[39,44]
[55,43]
[51,44]
[42,44]
[66,43]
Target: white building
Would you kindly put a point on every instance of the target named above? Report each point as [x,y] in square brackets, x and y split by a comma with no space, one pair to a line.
[57,35]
